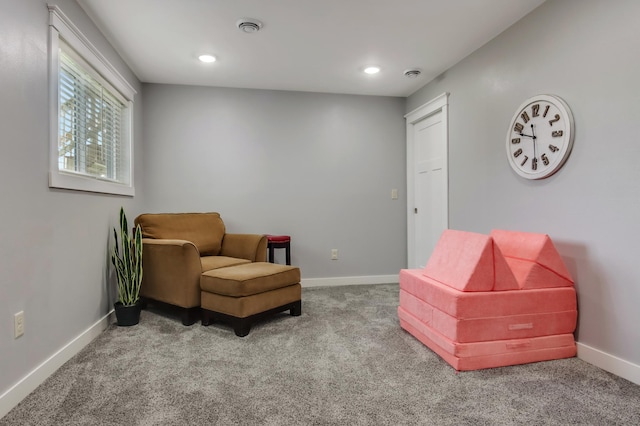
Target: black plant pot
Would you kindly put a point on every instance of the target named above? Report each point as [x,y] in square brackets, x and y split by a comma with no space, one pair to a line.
[127,315]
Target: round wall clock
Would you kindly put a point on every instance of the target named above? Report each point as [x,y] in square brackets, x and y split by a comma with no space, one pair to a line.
[540,137]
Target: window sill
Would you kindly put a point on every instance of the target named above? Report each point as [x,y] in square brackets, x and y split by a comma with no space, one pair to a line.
[87,184]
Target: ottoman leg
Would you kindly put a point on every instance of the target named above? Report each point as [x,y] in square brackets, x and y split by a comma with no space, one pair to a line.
[241,326]
[296,309]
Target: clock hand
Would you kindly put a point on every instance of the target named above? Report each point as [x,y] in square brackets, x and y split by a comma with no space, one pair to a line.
[533,132]
[529,136]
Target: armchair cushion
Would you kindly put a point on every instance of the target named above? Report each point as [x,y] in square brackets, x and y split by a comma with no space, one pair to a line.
[204,230]
[215,262]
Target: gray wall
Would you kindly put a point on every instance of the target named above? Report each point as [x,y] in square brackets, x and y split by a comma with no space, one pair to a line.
[587,53]
[53,250]
[318,167]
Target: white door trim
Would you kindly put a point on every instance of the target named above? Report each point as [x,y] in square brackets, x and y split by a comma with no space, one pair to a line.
[438,104]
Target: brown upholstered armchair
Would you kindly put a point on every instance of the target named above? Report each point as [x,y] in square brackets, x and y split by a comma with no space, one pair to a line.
[179,247]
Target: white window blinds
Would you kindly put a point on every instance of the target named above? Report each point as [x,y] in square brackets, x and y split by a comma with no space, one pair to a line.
[90,123]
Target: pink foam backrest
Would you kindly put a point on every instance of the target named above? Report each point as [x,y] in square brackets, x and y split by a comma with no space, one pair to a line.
[533,258]
[468,261]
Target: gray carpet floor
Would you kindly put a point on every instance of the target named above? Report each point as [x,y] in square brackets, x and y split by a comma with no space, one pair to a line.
[345,361]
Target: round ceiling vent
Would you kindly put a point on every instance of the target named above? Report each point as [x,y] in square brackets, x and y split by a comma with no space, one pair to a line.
[248,25]
[412,73]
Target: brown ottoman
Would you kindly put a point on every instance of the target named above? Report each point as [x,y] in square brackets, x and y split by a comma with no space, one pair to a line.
[243,294]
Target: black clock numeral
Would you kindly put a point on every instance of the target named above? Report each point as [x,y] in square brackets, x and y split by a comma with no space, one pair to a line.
[524,160]
[518,128]
[554,148]
[557,133]
[534,164]
[535,108]
[525,117]
[517,152]
[556,118]
[515,141]
[546,110]
[545,159]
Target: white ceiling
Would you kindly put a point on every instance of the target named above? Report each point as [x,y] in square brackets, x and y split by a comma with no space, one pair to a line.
[305,45]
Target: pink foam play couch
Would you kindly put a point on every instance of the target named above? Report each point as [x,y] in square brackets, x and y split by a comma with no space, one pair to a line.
[493,300]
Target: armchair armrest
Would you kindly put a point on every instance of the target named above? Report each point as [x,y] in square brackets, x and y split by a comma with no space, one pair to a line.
[171,272]
[252,247]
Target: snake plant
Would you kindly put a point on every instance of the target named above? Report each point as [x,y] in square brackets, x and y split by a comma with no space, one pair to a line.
[128,265]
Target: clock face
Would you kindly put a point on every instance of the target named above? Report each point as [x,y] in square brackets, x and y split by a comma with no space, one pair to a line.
[540,137]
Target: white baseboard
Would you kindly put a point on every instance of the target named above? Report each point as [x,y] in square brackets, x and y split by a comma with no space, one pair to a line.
[610,363]
[31,381]
[339,281]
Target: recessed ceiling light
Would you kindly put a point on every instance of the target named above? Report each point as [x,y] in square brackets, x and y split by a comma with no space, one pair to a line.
[249,25]
[207,58]
[373,69]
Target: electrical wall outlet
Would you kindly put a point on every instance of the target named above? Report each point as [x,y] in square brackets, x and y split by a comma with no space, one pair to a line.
[18,324]
[334,254]
[394,194]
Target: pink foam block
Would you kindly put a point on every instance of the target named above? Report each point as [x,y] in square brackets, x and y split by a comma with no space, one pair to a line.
[533,275]
[468,261]
[536,248]
[495,327]
[499,353]
[454,307]
[465,305]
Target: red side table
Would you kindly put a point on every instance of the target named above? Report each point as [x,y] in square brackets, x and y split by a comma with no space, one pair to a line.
[279,241]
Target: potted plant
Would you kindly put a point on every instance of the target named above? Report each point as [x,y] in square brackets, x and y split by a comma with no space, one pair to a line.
[128,265]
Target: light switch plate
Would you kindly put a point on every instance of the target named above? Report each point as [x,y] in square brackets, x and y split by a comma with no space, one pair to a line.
[18,324]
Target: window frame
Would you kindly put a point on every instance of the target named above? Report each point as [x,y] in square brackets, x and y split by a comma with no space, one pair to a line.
[61,29]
